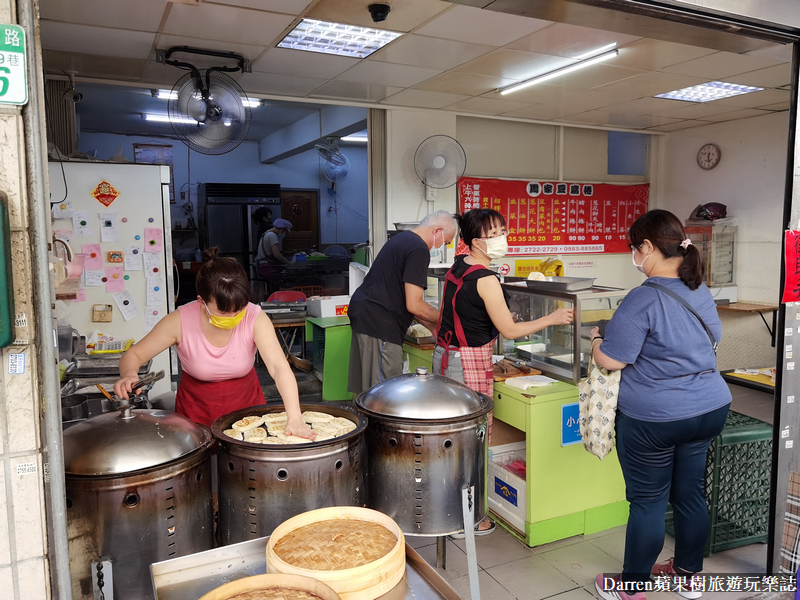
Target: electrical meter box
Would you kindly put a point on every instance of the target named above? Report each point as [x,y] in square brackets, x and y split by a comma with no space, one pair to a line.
[717,244]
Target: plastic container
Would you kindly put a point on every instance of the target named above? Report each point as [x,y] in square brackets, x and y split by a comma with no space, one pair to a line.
[738,470]
[507,491]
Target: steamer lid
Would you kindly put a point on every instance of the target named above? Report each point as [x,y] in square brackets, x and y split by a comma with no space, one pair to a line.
[112,444]
[422,396]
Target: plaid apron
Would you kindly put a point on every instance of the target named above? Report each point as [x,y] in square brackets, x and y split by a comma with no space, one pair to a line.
[476,361]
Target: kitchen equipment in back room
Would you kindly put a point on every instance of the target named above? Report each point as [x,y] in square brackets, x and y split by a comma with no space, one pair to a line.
[426,441]
[138,486]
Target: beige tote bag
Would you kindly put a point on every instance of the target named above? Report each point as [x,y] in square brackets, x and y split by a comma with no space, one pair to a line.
[598,407]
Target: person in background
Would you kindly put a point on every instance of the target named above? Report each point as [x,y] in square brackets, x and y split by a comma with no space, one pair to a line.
[217,337]
[391,296]
[262,217]
[269,245]
[672,403]
[474,310]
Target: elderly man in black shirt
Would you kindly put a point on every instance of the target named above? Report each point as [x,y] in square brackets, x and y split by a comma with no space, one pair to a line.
[391,296]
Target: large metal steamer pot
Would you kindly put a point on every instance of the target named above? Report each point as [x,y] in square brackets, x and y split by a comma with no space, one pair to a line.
[261,486]
[138,492]
[426,441]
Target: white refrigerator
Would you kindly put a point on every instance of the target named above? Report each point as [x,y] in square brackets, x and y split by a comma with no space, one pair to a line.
[118,217]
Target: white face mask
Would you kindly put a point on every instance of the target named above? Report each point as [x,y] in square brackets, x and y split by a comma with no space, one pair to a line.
[633,260]
[496,247]
[437,250]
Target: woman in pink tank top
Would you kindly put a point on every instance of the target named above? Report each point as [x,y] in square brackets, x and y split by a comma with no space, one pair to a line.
[217,337]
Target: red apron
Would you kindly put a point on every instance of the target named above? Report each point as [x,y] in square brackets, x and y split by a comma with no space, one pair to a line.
[205,401]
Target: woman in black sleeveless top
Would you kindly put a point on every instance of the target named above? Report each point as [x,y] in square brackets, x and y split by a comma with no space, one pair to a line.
[474,309]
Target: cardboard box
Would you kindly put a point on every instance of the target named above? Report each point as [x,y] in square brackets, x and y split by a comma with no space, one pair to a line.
[328,306]
[507,492]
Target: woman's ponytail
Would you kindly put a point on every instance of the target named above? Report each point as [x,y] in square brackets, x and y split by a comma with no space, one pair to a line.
[692,269]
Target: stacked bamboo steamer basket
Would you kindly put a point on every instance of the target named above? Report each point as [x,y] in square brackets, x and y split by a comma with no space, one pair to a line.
[326,552]
[273,587]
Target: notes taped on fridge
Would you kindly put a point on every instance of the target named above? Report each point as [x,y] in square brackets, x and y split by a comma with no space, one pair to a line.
[152,264]
[126,305]
[153,239]
[62,210]
[94,257]
[133,258]
[109,227]
[151,317]
[102,313]
[82,223]
[114,279]
[155,291]
[93,278]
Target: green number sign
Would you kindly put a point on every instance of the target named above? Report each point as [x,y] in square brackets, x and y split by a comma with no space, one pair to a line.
[13,73]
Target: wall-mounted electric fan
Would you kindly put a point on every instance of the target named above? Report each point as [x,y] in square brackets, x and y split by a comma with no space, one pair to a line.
[208,110]
[440,161]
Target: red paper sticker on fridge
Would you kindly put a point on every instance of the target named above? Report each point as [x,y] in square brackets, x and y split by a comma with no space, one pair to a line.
[105,193]
[94,257]
[153,240]
[115,281]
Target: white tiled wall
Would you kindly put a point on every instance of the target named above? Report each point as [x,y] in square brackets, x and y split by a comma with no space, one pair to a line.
[23,563]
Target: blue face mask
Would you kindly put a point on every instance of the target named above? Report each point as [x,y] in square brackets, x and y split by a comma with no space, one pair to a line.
[436,250]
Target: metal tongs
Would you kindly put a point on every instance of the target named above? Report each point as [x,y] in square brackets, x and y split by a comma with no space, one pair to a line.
[127,403]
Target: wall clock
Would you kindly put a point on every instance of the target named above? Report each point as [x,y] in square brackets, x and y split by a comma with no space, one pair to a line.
[708,156]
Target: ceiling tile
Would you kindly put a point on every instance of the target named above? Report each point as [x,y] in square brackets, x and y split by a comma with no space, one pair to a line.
[282,85]
[161,75]
[92,65]
[654,55]
[486,106]
[591,117]
[513,64]
[771,77]
[423,99]
[678,125]
[638,121]
[347,90]
[690,110]
[434,53]
[241,25]
[648,106]
[454,82]
[755,99]
[143,15]
[537,94]
[569,41]
[477,26]
[387,74]
[649,84]
[96,40]
[165,41]
[736,115]
[778,106]
[542,112]
[779,52]
[720,65]
[289,7]
[284,61]
[405,15]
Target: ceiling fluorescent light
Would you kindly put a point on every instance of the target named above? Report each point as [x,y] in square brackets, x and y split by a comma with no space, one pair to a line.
[360,139]
[168,119]
[558,72]
[596,51]
[337,38]
[706,92]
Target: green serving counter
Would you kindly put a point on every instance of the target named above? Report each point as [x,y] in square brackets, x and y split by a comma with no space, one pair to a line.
[567,491]
[330,343]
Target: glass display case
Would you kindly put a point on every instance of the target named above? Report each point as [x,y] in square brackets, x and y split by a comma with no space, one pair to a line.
[560,351]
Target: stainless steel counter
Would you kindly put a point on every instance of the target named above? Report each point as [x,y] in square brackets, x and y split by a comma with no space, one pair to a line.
[189,577]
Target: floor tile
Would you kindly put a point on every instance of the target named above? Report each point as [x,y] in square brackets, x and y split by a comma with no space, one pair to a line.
[497,548]
[419,541]
[582,562]
[576,539]
[576,594]
[605,532]
[456,560]
[490,588]
[745,559]
[614,546]
[531,578]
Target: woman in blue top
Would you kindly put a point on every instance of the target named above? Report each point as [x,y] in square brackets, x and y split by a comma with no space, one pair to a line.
[672,403]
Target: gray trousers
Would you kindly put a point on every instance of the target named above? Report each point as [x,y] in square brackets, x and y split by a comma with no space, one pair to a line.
[372,361]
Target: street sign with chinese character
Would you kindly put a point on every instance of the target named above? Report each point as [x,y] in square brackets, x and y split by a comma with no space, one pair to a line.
[13,74]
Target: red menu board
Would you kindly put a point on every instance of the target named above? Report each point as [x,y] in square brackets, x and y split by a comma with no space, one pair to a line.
[544,217]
